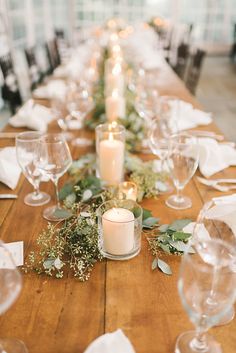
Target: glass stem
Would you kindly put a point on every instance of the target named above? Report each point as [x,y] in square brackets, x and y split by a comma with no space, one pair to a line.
[199,343]
[179,194]
[57,192]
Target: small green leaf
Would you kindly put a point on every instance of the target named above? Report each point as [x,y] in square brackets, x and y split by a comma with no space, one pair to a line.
[146,213]
[163,228]
[85,214]
[154,264]
[181,236]
[150,222]
[66,190]
[48,263]
[181,246]
[87,194]
[179,224]
[164,267]
[62,213]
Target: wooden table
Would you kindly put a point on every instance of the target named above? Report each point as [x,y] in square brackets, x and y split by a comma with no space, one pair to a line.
[64,316]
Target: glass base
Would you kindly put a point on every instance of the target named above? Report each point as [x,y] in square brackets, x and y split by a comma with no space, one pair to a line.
[227,318]
[179,203]
[82,142]
[120,257]
[8,345]
[55,214]
[41,199]
[187,343]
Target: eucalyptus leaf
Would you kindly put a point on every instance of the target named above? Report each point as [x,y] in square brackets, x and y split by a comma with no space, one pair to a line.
[146,213]
[181,236]
[181,246]
[163,228]
[154,264]
[62,213]
[85,214]
[179,224]
[48,263]
[66,190]
[150,222]
[164,267]
[87,194]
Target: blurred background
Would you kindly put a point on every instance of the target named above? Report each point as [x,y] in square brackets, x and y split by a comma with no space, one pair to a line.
[209,25]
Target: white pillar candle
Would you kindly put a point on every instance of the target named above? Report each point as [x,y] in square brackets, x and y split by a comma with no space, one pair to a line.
[111,160]
[114,82]
[118,231]
[115,106]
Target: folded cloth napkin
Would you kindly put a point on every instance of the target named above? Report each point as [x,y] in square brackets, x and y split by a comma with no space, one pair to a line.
[32,116]
[54,89]
[221,200]
[186,117]
[214,157]
[9,168]
[115,342]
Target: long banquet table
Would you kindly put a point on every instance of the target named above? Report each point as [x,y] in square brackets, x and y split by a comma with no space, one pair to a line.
[65,315]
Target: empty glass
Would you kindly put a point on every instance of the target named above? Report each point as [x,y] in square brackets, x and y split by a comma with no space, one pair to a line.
[147,104]
[183,155]
[207,290]
[26,151]
[60,113]
[54,159]
[217,221]
[10,287]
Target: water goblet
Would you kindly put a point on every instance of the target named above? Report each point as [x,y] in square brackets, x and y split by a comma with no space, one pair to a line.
[217,222]
[159,133]
[54,159]
[11,284]
[207,290]
[182,159]
[26,151]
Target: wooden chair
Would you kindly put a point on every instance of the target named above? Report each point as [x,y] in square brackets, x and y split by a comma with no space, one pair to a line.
[182,60]
[34,71]
[53,55]
[194,70]
[10,90]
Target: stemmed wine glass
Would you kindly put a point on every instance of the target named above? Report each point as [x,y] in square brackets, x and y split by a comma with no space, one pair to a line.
[26,151]
[159,133]
[79,103]
[207,290]
[54,159]
[60,113]
[11,284]
[217,222]
[182,159]
[147,104]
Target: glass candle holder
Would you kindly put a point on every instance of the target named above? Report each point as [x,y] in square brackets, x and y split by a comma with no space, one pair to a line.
[127,191]
[120,229]
[110,151]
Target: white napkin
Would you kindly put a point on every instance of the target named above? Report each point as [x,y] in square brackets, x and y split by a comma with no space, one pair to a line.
[9,168]
[221,200]
[115,342]
[225,212]
[214,157]
[187,117]
[54,89]
[32,116]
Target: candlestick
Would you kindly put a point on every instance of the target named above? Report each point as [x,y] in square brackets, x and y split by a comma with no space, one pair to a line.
[110,148]
[118,231]
[115,106]
[128,190]
[119,227]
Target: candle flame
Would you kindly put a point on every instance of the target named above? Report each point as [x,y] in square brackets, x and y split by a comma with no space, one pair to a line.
[116,69]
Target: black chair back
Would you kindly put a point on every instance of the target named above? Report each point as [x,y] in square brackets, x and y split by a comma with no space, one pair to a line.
[182,60]
[194,70]
[53,55]
[34,71]
[10,90]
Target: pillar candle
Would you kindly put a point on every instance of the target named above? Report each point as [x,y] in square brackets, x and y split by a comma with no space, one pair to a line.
[115,106]
[111,160]
[118,231]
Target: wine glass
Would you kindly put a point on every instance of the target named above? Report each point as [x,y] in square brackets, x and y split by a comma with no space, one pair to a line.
[60,113]
[147,104]
[10,287]
[207,290]
[26,151]
[182,159]
[79,103]
[217,222]
[169,108]
[158,136]
[54,159]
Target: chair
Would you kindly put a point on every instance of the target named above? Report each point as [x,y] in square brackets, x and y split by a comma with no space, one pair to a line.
[53,55]
[10,90]
[232,53]
[34,72]
[194,70]
[182,60]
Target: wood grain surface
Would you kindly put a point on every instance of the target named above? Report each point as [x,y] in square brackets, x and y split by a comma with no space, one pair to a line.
[64,316]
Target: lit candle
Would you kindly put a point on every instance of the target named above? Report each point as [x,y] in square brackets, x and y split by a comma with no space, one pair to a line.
[111,160]
[128,190]
[115,80]
[115,106]
[118,231]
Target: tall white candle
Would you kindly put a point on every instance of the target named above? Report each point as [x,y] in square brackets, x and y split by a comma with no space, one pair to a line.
[118,231]
[115,106]
[115,80]
[111,160]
